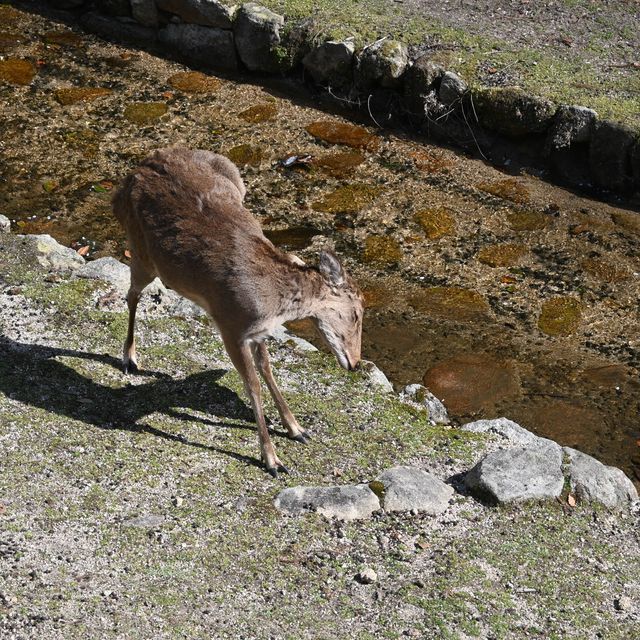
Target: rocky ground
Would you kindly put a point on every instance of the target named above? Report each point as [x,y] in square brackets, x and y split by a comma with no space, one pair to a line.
[137,507]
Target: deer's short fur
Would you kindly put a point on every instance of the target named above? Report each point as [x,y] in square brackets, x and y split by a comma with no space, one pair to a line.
[185,222]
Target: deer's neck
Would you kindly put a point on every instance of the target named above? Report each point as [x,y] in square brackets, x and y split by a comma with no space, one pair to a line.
[302,291]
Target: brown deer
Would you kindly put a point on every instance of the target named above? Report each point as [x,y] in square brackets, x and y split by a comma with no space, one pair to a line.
[185,222]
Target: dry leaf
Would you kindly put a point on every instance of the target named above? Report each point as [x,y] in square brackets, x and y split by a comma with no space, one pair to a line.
[571,500]
[83,251]
[127,254]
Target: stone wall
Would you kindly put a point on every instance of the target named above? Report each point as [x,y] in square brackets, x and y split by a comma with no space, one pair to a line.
[502,124]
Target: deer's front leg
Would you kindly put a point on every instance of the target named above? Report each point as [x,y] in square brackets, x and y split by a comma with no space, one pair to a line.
[240,355]
[261,357]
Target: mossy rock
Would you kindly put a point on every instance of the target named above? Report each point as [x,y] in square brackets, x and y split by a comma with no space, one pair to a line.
[63,38]
[86,141]
[381,250]
[339,164]
[17,71]
[194,82]
[348,199]
[245,154]
[502,255]
[72,95]
[455,303]
[342,133]
[605,270]
[513,112]
[436,222]
[528,220]
[507,189]
[560,316]
[259,112]
[143,113]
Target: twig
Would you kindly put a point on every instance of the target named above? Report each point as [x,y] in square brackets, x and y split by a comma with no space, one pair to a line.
[371,114]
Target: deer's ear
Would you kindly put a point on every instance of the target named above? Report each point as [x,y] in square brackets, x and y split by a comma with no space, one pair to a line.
[331,269]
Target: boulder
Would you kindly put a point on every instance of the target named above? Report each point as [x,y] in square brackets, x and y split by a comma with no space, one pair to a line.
[410,488]
[5,224]
[510,432]
[452,88]
[331,63]
[117,30]
[375,377]
[145,12]
[591,480]
[210,46]
[420,394]
[108,269]
[419,80]
[52,255]
[512,112]
[209,13]
[609,155]
[572,124]
[517,473]
[257,36]
[281,334]
[350,502]
[381,63]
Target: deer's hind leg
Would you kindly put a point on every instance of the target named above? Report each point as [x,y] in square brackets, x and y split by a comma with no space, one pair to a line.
[261,358]
[140,278]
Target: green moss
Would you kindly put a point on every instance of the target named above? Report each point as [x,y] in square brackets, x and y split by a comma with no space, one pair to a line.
[436,222]
[194,82]
[560,316]
[381,250]
[347,199]
[16,71]
[144,113]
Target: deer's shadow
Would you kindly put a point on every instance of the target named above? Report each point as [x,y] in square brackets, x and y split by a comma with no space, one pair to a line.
[34,374]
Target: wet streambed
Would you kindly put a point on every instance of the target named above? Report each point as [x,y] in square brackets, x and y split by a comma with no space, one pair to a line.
[506,295]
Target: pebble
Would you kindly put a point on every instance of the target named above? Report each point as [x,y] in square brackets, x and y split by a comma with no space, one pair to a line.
[367,576]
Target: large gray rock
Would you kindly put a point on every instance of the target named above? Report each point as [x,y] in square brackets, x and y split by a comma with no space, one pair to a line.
[5,224]
[257,36]
[52,255]
[516,474]
[452,88]
[281,334]
[410,488]
[572,124]
[421,395]
[331,63]
[609,155]
[210,46]
[510,432]
[513,112]
[375,377]
[118,30]
[108,269]
[592,480]
[210,13]
[145,12]
[419,81]
[381,63]
[350,502]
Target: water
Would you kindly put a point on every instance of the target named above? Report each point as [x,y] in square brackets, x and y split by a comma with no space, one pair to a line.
[512,296]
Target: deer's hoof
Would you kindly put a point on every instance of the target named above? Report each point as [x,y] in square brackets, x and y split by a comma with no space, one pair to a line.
[130,366]
[303,437]
[273,471]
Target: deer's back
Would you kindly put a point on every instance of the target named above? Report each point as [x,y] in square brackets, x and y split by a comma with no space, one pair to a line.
[183,214]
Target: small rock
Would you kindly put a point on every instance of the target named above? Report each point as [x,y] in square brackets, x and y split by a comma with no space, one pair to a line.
[622,603]
[349,502]
[149,520]
[331,62]
[257,36]
[177,501]
[366,575]
[609,155]
[420,394]
[5,224]
[109,28]
[108,269]
[412,489]
[517,474]
[452,88]
[593,480]
[419,81]
[571,124]
[375,377]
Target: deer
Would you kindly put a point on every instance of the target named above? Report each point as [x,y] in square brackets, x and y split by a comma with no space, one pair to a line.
[183,214]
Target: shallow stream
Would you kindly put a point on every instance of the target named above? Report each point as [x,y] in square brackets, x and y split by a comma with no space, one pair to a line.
[505,294]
